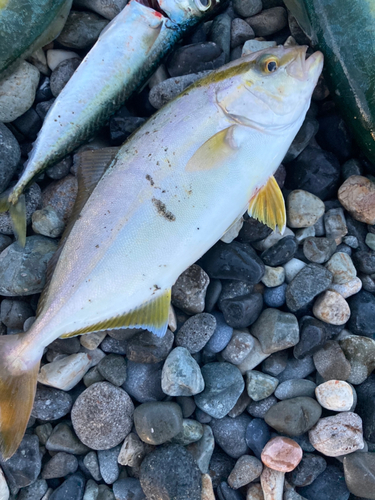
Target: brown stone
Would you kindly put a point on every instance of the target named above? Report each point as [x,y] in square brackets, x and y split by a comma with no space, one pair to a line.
[254,492]
[282,454]
[272,482]
[357,195]
[332,308]
[207,489]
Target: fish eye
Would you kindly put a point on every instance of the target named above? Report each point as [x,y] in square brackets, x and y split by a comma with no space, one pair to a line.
[269,64]
[203,4]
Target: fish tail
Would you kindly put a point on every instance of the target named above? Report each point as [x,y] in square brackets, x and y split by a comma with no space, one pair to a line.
[17,212]
[18,379]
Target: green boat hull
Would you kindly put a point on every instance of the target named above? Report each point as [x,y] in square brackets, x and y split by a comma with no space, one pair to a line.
[344,30]
[27,25]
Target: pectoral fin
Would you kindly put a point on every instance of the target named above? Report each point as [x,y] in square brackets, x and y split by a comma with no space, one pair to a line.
[152,316]
[268,206]
[17,214]
[214,151]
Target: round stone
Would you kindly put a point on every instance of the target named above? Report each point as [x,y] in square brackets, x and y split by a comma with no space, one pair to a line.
[337,435]
[276,330]
[303,209]
[360,352]
[342,268]
[81,30]
[332,308]
[273,276]
[223,386]
[246,470]
[357,196]
[229,434]
[362,320]
[335,395]
[50,403]
[47,222]
[281,252]
[269,21]
[247,8]
[102,416]
[181,375]
[146,347]
[306,285]
[113,368]
[60,465]
[239,347]
[62,74]
[196,332]
[293,416]
[282,454]
[158,422]
[221,336]
[170,472]
[143,381]
[126,488]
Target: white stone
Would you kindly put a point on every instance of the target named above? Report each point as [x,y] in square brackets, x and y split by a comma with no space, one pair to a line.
[254,492]
[303,209]
[273,238]
[342,268]
[251,46]
[332,308]
[92,340]
[335,395]
[96,355]
[337,435]
[233,231]
[4,490]
[132,451]
[56,56]
[17,92]
[253,359]
[272,482]
[370,240]
[347,289]
[305,232]
[65,373]
[273,276]
[292,268]
[39,60]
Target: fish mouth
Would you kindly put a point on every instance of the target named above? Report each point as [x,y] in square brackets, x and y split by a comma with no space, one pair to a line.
[303,66]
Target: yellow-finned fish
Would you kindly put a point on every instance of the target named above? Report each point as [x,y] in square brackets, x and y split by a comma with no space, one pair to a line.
[171,192]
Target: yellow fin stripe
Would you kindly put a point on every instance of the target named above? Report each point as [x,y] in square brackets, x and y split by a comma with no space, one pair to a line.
[268,206]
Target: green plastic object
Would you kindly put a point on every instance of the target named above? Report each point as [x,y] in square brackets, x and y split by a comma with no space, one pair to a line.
[27,25]
[344,30]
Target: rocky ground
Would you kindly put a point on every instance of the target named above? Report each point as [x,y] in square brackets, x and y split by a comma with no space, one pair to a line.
[264,380]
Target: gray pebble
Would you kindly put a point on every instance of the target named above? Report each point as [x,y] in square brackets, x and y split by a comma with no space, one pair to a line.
[196,332]
[158,422]
[81,31]
[187,404]
[108,9]
[62,74]
[276,330]
[51,403]
[60,465]
[246,470]
[240,33]
[113,368]
[258,409]
[318,250]
[194,58]
[63,438]
[220,33]
[91,463]
[14,313]
[10,155]
[276,363]
[294,388]
[145,347]
[108,465]
[239,347]
[114,346]
[309,128]
[297,368]
[247,8]
[269,21]
[61,195]
[43,432]
[192,431]
[189,291]
[24,466]
[102,416]
[47,222]
[293,416]
[229,434]
[34,491]
[306,285]
[61,169]
[260,385]
[202,450]
[181,375]
[331,363]
[143,381]
[128,488]
[335,224]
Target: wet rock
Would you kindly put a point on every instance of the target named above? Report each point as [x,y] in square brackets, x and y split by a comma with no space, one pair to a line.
[318,250]
[282,454]
[269,21]
[189,291]
[359,470]
[362,319]
[60,465]
[81,30]
[306,285]
[303,209]
[337,435]
[102,416]
[196,332]
[260,385]
[247,469]
[332,308]
[223,386]
[313,336]
[146,347]
[17,92]
[158,422]
[237,261]
[50,403]
[294,416]
[61,196]
[229,434]
[181,375]
[294,388]
[143,381]
[357,196]
[170,472]
[232,289]
[24,466]
[307,470]
[253,230]
[276,330]
[194,58]
[65,373]
[281,252]
[335,395]
[47,222]
[331,362]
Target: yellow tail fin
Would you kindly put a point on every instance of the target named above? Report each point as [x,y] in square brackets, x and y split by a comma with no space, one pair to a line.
[18,380]
[17,214]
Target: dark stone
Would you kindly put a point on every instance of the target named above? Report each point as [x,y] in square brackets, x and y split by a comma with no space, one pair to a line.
[307,470]
[235,260]
[113,369]
[51,403]
[276,296]
[302,139]
[294,416]
[357,229]
[334,136]
[257,435]
[60,465]
[258,409]
[220,33]
[62,74]
[212,294]
[159,422]
[42,108]
[195,332]
[329,485]
[315,171]
[331,363]
[145,347]
[368,283]
[170,472]
[9,157]
[362,318]
[66,346]
[128,488]
[114,346]
[14,313]
[194,58]
[29,124]
[34,491]
[24,466]
[253,230]
[351,167]
[229,434]
[319,250]
[297,368]
[234,288]
[276,363]
[187,405]
[313,335]
[43,92]
[221,336]
[312,280]
[225,492]
[220,467]
[366,407]
[143,381]
[359,470]
[269,21]
[81,30]
[72,488]
[364,261]
[243,311]
[108,465]
[281,252]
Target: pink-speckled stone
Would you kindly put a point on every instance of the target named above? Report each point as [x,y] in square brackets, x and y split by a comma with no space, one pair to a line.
[282,454]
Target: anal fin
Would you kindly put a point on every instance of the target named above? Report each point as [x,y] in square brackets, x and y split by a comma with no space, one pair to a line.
[268,206]
[152,315]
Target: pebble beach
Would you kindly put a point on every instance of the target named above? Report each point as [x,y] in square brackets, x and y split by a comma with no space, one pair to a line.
[262,387]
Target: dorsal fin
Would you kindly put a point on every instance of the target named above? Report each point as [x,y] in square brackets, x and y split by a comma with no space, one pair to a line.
[268,205]
[91,166]
[152,316]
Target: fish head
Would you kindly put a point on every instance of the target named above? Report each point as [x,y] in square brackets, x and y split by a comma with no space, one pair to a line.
[271,88]
[190,11]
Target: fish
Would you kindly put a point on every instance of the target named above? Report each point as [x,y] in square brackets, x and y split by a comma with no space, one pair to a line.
[349,49]
[26,26]
[125,56]
[171,191]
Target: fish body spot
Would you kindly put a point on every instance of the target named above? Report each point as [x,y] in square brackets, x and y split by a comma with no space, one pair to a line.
[162,210]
